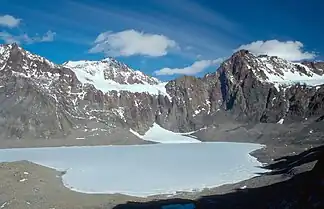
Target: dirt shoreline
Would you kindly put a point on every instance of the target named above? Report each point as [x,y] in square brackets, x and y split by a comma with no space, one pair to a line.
[37,143]
[28,185]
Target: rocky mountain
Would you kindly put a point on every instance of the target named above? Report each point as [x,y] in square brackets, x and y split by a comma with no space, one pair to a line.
[87,99]
[269,89]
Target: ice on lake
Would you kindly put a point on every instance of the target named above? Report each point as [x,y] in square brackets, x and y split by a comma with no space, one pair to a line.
[144,170]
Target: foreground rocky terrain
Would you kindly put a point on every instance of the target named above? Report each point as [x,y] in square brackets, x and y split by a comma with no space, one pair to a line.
[103,100]
[27,185]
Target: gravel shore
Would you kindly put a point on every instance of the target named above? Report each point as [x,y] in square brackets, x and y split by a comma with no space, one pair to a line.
[27,185]
[114,139]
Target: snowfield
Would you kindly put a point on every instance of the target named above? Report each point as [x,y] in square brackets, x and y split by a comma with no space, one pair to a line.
[160,135]
[94,72]
[145,170]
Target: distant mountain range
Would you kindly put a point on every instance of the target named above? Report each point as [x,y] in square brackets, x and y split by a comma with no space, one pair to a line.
[40,99]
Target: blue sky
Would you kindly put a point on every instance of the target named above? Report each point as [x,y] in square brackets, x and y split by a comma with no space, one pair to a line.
[164,38]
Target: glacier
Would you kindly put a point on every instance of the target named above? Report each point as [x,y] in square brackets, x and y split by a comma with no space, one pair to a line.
[145,170]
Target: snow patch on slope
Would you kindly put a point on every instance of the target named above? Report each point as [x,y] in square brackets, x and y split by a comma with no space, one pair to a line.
[160,135]
[281,121]
[109,75]
[120,112]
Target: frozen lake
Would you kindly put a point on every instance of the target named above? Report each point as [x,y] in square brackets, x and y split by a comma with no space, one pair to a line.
[145,170]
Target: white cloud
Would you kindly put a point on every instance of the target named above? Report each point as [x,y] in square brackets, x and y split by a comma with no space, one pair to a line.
[48,36]
[290,50]
[9,21]
[132,42]
[193,69]
[25,38]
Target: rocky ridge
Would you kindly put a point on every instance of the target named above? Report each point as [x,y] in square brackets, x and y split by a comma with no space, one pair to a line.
[40,99]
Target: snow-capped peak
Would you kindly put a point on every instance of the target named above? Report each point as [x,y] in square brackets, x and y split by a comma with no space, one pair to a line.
[279,71]
[112,70]
[4,55]
[7,49]
[111,75]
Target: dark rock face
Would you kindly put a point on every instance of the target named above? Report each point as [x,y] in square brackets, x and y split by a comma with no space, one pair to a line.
[42,100]
[189,99]
[242,93]
[318,67]
[27,108]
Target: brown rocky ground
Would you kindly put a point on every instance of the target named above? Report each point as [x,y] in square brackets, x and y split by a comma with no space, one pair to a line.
[27,185]
[118,138]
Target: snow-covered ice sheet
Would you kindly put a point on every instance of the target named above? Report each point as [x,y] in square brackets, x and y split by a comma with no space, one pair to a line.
[144,170]
[160,135]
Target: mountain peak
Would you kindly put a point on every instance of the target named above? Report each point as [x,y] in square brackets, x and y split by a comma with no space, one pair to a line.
[241,53]
[12,45]
[110,70]
[273,69]
[109,59]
